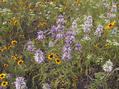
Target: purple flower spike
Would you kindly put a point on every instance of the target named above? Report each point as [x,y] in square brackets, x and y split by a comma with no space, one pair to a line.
[30,46]
[40,35]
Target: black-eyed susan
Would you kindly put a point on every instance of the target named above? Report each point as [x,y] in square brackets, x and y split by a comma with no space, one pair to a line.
[51,56]
[2,76]
[14,42]
[15,57]
[4,83]
[19,62]
[10,47]
[57,60]
[110,25]
[5,65]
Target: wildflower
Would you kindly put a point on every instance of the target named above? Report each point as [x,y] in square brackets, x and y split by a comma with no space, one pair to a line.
[69,38]
[39,56]
[96,45]
[43,23]
[40,35]
[114,8]
[37,26]
[14,42]
[20,83]
[2,76]
[19,62]
[61,20]
[66,56]
[99,31]
[51,44]
[73,84]
[108,66]
[67,48]
[10,46]
[88,24]
[21,35]
[74,27]
[5,48]
[15,57]
[78,47]
[60,9]
[60,35]
[15,22]
[4,83]
[5,65]
[23,3]
[53,31]
[114,31]
[46,86]
[86,37]
[2,50]
[57,60]
[57,55]
[110,25]
[30,46]
[107,44]
[51,56]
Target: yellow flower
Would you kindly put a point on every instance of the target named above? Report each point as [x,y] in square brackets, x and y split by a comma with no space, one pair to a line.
[107,44]
[96,45]
[110,25]
[15,57]
[10,47]
[19,62]
[2,76]
[43,23]
[4,83]
[51,56]
[2,50]
[15,22]
[57,60]
[60,9]
[14,42]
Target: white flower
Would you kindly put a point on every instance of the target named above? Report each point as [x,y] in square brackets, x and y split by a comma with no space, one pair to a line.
[46,86]
[108,66]
[51,44]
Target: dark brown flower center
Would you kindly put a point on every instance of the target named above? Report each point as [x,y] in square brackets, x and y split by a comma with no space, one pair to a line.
[110,25]
[51,56]
[4,83]
[58,60]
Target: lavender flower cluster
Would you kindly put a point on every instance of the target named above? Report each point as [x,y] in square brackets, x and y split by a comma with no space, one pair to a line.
[113,11]
[20,84]
[40,36]
[88,24]
[30,46]
[58,31]
[99,31]
[39,56]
